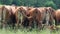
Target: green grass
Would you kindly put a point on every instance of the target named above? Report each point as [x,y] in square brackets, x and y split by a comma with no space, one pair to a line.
[25,31]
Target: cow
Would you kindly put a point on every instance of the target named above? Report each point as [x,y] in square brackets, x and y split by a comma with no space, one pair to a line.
[9,15]
[41,17]
[32,15]
[56,16]
[51,22]
[21,15]
[51,13]
[46,15]
[5,12]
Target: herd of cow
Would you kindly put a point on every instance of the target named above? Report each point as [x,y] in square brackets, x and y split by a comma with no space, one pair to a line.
[25,16]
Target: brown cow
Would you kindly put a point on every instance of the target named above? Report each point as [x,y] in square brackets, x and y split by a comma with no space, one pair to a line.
[9,15]
[51,12]
[46,15]
[32,15]
[57,17]
[5,13]
[41,17]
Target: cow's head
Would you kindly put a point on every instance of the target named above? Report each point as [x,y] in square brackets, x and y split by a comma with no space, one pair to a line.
[50,9]
[22,9]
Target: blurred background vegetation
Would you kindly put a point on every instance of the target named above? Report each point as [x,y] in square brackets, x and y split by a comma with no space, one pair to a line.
[35,3]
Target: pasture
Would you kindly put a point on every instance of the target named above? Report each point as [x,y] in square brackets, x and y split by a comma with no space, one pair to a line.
[25,31]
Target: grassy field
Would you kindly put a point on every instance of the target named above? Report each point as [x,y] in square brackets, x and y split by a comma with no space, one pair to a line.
[24,31]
